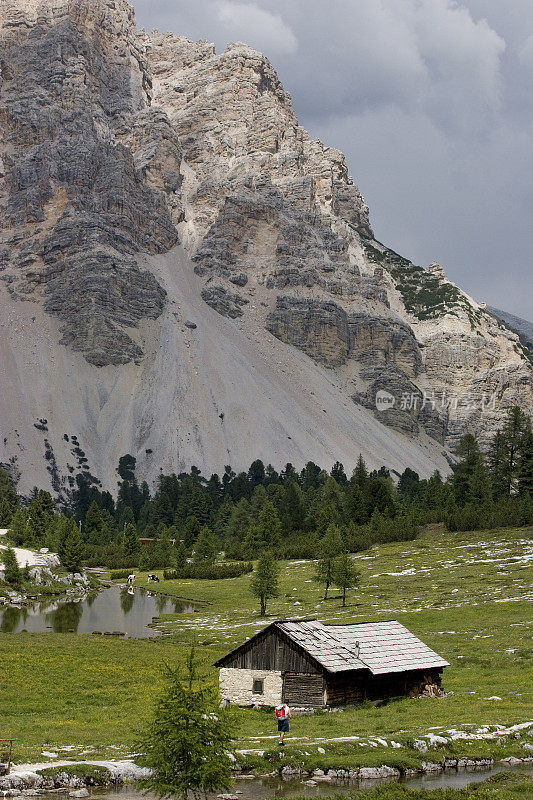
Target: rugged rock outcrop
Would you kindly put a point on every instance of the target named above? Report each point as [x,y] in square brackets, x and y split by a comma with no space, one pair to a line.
[227,303]
[76,207]
[522,327]
[147,181]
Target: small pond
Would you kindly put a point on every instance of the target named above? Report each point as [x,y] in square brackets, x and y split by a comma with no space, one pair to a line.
[113,609]
[258,789]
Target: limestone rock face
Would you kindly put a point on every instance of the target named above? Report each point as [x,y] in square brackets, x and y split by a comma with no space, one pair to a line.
[227,303]
[147,181]
[236,124]
[318,328]
[76,208]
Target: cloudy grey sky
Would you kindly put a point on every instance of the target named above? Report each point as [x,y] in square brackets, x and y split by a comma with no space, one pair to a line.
[432,102]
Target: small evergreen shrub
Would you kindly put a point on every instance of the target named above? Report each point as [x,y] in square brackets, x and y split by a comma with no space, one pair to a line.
[210,572]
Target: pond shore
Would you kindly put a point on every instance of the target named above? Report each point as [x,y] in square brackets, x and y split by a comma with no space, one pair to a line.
[74,777]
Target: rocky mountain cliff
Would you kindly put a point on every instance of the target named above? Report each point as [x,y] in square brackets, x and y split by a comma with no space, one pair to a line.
[522,327]
[188,277]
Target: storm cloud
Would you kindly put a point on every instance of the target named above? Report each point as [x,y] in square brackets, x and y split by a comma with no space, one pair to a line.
[432,102]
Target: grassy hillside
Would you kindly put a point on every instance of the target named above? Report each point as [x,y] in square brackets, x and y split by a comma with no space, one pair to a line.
[465,595]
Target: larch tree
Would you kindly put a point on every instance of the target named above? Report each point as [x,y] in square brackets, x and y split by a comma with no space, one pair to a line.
[6,515]
[71,547]
[12,572]
[345,575]
[132,545]
[265,580]
[185,746]
[329,548]
[205,547]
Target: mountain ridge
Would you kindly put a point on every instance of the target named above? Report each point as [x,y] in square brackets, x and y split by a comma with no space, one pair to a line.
[523,327]
[123,150]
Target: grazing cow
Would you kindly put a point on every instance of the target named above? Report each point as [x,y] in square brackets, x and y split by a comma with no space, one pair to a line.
[131,578]
[153,578]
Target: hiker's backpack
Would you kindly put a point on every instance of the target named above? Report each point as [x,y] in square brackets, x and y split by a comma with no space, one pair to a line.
[281,711]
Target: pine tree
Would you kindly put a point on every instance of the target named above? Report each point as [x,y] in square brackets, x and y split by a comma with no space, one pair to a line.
[40,519]
[132,546]
[360,473]
[18,527]
[256,473]
[338,473]
[253,543]
[126,467]
[127,517]
[327,515]
[450,512]
[7,490]
[71,548]
[94,530]
[221,519]
[470,456]
[205,548]
[259,499]
[191,531]
[185,745]
[238,524]
[496,458]
[293,507]
[62,529]
[376,525]
[12,572]
[161,554]
[345,575]
[329,548]
[409,483]
[180,555]
[311,476]
[404,527]
[354,505]
[269,528]
[332,494]
[162,510]
[264,582]
[479,485]
[434,493]
[514,433]
[525,467]
[6,515]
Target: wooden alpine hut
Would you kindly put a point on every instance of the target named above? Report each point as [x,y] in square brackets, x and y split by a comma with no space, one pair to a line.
[309,664]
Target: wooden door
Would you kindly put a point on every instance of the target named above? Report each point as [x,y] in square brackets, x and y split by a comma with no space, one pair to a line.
[303,690]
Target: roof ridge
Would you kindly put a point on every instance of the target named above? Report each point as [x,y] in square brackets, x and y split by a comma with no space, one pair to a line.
[353,624]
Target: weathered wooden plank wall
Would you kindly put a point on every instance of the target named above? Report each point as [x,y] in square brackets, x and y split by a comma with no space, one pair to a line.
[303,690]
[353,687]
[273,651]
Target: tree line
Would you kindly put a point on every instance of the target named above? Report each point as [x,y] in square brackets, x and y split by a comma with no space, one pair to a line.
[290,513]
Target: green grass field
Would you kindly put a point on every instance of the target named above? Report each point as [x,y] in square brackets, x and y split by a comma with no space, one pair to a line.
[468,596]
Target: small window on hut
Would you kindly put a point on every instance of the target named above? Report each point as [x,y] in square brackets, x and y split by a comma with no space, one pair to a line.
[257,687]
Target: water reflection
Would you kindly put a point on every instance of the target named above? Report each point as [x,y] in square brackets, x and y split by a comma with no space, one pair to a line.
[113,610]
[161,602]
[266,788]
[127,599]
[10,619]
[66,617]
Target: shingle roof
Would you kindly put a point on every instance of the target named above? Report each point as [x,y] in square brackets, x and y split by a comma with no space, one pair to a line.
[384,647]
[380,647]
[323,644]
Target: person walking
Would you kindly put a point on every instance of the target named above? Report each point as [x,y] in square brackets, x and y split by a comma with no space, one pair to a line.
[283,715]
